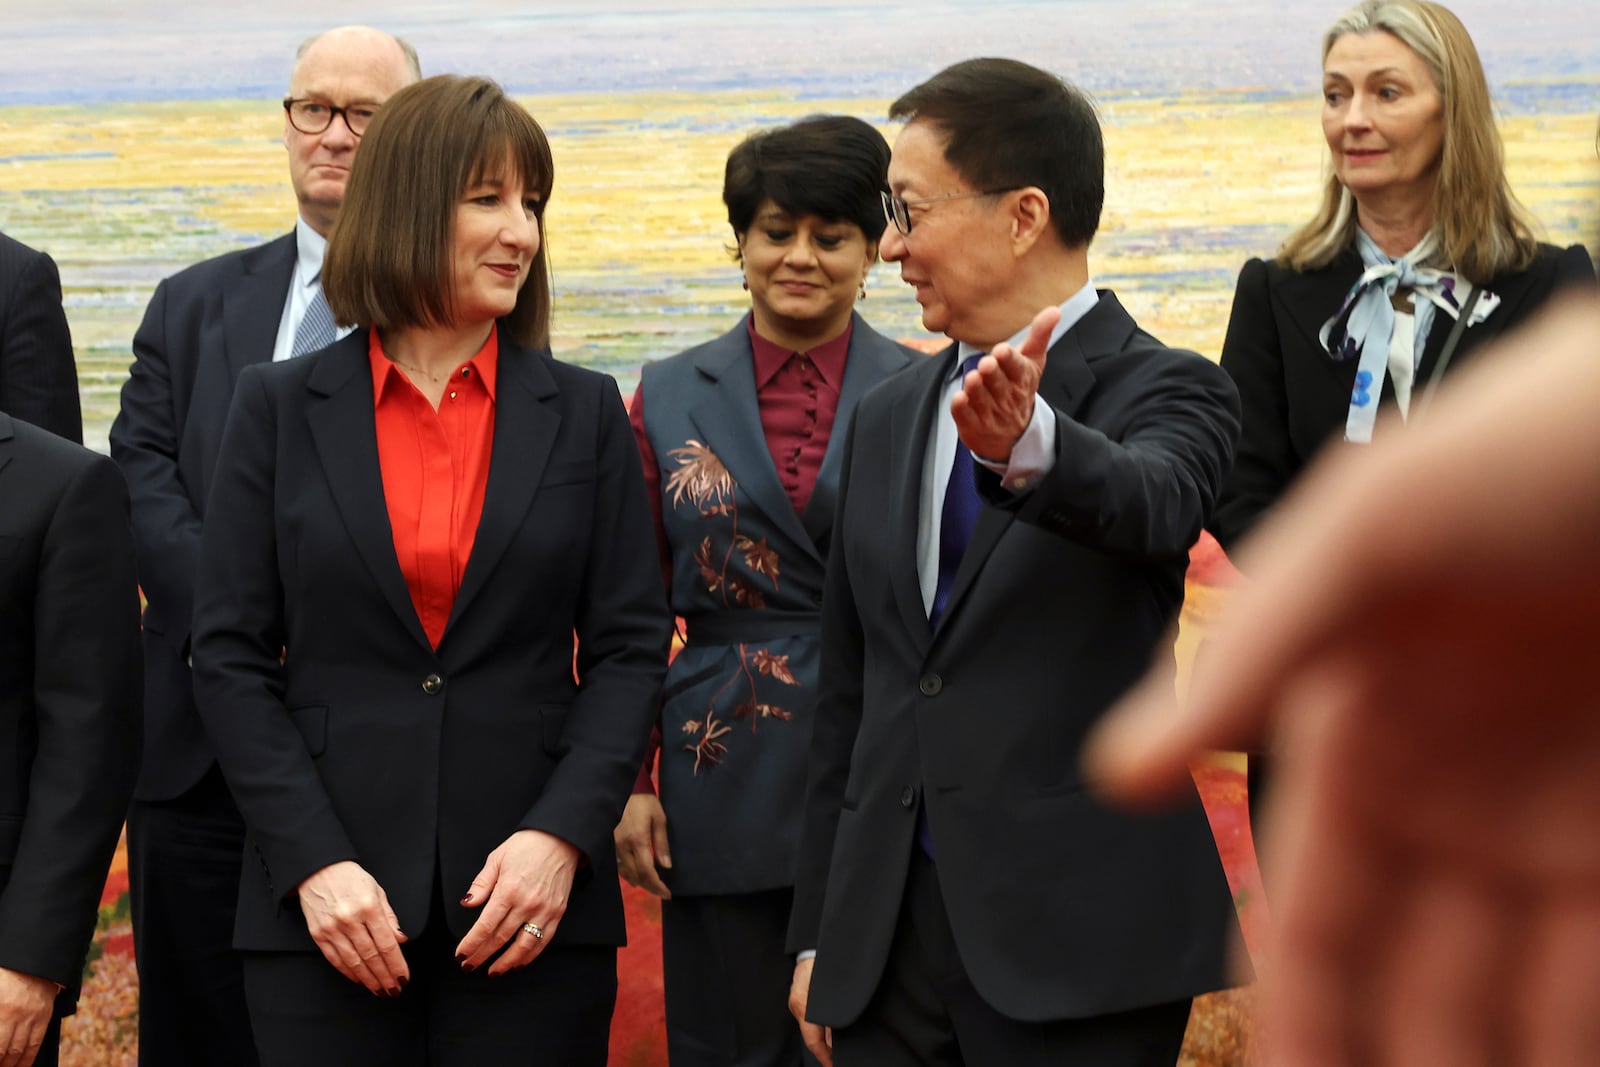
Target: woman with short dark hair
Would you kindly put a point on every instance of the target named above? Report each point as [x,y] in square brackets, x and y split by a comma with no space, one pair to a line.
[405,535]
[741,440]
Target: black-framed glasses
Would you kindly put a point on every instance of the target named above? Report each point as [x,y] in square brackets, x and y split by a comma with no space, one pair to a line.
[896,208]
[309,115]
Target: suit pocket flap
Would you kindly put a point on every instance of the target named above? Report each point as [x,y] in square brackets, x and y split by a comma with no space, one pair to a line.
[568,473]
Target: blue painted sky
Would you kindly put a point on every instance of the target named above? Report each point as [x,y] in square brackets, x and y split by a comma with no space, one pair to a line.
[96,50]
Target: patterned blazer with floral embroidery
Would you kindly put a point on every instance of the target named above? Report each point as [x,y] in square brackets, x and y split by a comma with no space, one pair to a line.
[747,577]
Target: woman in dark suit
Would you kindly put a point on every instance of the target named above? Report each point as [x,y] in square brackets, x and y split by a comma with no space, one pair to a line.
[1418,254]
[741,439]
[405,533]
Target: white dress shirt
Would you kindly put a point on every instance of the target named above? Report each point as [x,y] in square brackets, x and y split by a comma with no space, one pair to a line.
[1032,457]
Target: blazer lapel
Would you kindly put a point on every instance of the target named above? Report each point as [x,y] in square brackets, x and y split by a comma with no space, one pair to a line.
[1065,383]
[252,309]
[910,427]
[344,433]
[7,435]
[871,359]
[729,423]
[525,427]
[1511,288]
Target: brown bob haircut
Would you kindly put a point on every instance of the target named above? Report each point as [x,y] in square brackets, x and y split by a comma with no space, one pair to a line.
[389,257]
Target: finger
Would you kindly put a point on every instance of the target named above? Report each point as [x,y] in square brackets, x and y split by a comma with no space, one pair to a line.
[338,950]
[1442,1000]
[524,948]
[652,883]
[1037,343]
[819,1043]
[1557,1022]
[34,1042]
[391,962]
[1336,893]
[630,863]
[394,921]
[483,883]
[379,954]
[658,840]
[482,941]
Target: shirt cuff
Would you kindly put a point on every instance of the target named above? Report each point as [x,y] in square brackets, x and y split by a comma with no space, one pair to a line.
[806,954]
[1032,457]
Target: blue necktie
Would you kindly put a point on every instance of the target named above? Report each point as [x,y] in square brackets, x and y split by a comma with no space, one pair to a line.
[957,518]
[316,329]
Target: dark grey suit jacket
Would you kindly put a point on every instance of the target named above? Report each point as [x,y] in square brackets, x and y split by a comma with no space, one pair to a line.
[1060,907]
[203,326]
[69,695]
[735,819]
[38,378]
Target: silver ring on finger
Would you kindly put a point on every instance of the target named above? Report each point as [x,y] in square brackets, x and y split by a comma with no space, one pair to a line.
[533,928]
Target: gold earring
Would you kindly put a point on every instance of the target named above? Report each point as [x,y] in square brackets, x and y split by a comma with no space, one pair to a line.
[862,293]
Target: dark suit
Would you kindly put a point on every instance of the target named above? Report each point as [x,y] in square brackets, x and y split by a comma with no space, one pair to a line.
[733,820]
[1295,397]
[38,378]
[367,744]
[1060,908]
[69,697]
[202,327]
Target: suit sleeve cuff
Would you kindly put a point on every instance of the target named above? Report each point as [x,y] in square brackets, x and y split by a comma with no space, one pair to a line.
[1032,457]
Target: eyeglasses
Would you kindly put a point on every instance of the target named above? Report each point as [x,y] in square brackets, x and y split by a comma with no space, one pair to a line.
[314,116]
[895,208]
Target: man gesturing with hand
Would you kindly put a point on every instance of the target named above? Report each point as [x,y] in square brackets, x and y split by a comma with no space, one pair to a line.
[1011,537]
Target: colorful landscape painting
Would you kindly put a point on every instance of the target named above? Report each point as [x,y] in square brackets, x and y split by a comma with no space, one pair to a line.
[138,137]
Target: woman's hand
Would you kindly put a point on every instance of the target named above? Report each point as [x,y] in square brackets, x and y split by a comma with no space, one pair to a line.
[641,840]
[349,917]
[526,880]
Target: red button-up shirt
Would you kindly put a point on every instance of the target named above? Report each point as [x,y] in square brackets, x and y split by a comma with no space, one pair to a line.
[435,467]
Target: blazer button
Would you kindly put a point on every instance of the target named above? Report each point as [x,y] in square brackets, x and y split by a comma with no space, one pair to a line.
[908,797]
[432,684]
[930,685]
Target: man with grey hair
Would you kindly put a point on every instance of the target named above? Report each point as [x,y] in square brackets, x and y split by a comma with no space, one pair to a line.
[203,325]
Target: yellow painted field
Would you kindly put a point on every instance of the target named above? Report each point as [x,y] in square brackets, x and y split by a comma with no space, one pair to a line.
[125,194]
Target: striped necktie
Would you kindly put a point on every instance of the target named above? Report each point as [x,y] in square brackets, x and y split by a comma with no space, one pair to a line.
[316,328]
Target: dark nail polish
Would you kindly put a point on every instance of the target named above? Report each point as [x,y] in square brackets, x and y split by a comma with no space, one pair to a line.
[469,967]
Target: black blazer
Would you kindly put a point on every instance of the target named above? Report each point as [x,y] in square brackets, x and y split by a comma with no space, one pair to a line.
[1060,907]
[365,743]
[69,695]
[202,327]
[38,378]
[1296,397]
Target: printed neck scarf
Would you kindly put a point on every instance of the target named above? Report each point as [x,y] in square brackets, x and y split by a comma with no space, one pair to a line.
[1364,325]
